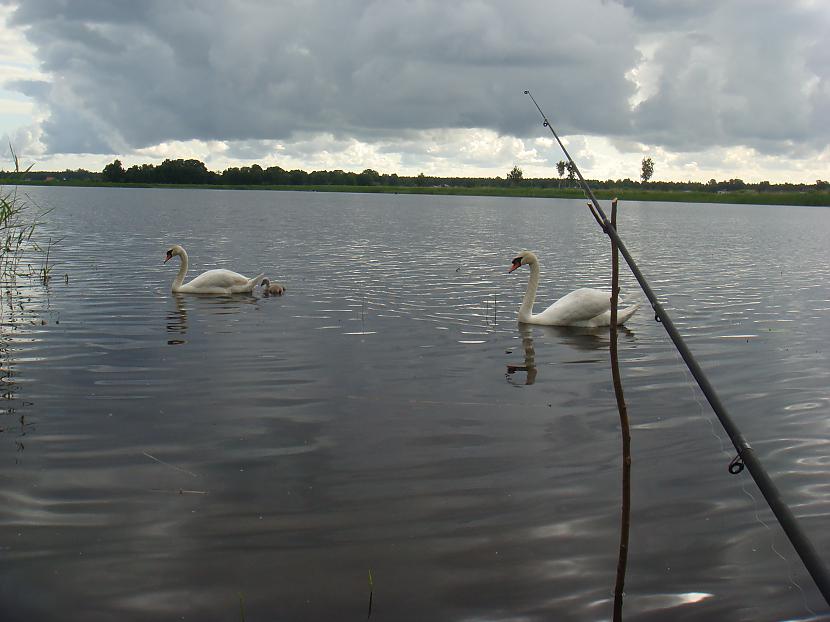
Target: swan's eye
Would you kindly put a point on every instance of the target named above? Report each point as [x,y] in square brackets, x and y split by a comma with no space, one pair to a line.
[518,261]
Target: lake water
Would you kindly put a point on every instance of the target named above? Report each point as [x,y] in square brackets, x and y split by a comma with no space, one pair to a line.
[177,457]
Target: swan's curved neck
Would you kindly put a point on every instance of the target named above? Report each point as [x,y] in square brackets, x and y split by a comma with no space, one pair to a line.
[177,282]
[526,310]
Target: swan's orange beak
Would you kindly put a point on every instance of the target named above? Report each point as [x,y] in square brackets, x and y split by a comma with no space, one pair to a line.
[166,257]
[517,263]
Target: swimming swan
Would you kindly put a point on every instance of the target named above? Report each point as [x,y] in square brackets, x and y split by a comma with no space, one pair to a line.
[272,289]
[582,307]
[217,282]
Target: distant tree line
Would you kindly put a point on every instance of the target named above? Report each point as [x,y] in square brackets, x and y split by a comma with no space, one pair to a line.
[193,171]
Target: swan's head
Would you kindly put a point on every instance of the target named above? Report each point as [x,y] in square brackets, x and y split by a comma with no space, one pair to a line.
[265,283]
[173,251]
[522,259]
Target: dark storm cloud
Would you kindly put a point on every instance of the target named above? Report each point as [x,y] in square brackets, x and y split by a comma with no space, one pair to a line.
[128,75]
[671,13]
[262,70]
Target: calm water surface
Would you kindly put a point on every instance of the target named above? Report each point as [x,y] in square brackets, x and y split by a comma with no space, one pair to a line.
[162,455]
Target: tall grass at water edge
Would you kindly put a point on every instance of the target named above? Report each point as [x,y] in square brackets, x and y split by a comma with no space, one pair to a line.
[24,265]
[19,251]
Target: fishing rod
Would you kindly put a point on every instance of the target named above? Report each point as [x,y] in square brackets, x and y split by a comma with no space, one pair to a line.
[746,455]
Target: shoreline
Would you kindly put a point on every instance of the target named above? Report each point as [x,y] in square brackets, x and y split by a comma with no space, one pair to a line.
[737,197]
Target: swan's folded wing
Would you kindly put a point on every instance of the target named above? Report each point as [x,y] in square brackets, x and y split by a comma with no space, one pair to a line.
[579,306]
[217,279]
[248,285]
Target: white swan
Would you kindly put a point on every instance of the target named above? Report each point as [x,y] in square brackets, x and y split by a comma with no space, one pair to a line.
[217,282]
[582,307]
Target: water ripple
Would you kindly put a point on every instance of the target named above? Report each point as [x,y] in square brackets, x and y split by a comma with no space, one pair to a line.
[388,413]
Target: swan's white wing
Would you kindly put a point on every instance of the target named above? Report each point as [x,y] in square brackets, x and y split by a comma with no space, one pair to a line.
[217,279]
[579,306]
[604,318]
[248,285]
[623,315]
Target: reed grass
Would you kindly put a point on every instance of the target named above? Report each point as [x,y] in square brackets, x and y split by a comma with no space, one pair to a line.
[16,230]
[20,217]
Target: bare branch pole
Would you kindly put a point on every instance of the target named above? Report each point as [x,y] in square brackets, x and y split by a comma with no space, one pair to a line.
[625,514]
[746,454]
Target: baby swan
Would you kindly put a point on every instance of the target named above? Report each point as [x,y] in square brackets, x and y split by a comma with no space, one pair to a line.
[272,289]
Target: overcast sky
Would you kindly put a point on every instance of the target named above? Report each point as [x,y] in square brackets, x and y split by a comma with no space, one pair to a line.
[706,88]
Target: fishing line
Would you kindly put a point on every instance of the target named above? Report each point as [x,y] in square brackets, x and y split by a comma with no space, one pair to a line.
[746,454]
[790,573]
[723,448]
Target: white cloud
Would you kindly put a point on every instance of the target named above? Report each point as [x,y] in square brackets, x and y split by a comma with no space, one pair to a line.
[18,114]
[741,74]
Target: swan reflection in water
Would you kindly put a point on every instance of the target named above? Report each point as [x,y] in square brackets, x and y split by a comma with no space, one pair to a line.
[586,339]
[530,358]
[177,320]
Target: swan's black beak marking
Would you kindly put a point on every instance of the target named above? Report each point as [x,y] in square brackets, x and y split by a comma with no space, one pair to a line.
[517,262]
[169,256]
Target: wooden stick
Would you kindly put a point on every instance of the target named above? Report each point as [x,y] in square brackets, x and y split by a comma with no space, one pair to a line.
[625,517]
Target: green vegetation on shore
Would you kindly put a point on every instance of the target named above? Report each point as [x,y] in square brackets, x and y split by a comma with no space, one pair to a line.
[821,198]
[194,174]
